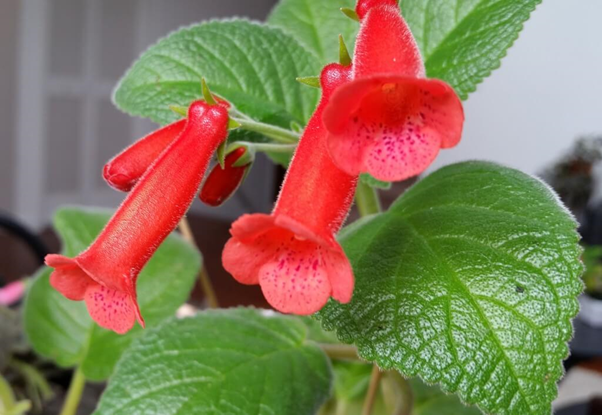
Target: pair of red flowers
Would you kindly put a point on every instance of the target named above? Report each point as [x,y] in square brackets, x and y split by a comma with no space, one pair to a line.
[379,115]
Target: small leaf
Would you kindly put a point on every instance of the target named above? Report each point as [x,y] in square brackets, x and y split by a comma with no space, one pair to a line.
[316,24]
[62,330]
[469,280]
[252,66]
[237,361]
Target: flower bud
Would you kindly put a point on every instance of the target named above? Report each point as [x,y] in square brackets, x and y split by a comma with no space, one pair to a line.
[221,183]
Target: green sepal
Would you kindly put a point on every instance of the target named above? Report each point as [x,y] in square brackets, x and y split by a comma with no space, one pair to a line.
[344,57]
[179,109]
[296,127]
[313,81]
[207,93]
[248,158]
[350,13]
[221,153]
[233,124]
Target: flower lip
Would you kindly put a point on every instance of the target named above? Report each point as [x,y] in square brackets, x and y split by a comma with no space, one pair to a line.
[392,126]
[296,269]
[114,308]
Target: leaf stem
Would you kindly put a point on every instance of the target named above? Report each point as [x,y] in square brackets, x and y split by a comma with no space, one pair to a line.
[372,390]
[274,148]
[74,394]
[406,397]
[367,200]
[187,234]
[281,135]
[340,351]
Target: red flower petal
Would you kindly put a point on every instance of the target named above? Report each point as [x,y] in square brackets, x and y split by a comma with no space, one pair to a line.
[385,45]
[112,309]
[296,280]
[68,278]
[126,168]
[392,126]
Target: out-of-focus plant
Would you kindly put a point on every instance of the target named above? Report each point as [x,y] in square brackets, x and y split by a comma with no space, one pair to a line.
[571,176]
[592,259]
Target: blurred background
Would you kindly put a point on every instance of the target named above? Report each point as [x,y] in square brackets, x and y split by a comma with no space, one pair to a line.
[60,60]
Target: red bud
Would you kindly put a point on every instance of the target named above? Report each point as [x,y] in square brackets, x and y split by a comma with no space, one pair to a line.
[222,183]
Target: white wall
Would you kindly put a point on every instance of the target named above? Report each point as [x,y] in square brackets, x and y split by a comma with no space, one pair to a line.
[547,92]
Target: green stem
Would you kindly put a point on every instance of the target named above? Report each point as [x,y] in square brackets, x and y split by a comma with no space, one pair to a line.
[74,395]
[281,135]
[367,199]
[274,148]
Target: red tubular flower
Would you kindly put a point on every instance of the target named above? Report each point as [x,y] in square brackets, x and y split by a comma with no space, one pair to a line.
[221,183]
[390,121]
[105,274]
[292,253]
[126,168]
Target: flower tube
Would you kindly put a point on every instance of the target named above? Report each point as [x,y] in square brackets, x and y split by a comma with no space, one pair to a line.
[390,121]
[105,274]
[292,253]
[124,170]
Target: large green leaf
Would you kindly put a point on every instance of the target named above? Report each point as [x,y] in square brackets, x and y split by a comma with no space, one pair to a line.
[237,361]
[462,41]
[251,65]
[470,280]
[62,330]
[316,24]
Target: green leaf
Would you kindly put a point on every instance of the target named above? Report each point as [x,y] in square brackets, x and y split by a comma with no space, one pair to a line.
[251,65]
[469,280]
[239,361]
[62,330]
[463,41]
[316,24]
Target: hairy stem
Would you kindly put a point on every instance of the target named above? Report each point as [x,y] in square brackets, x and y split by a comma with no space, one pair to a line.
[281,135]
[372,391]
[367,199]
[74,394]
[274,148]
[212,302]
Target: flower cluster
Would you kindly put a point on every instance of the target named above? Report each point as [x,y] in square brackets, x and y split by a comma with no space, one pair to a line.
[378,114]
